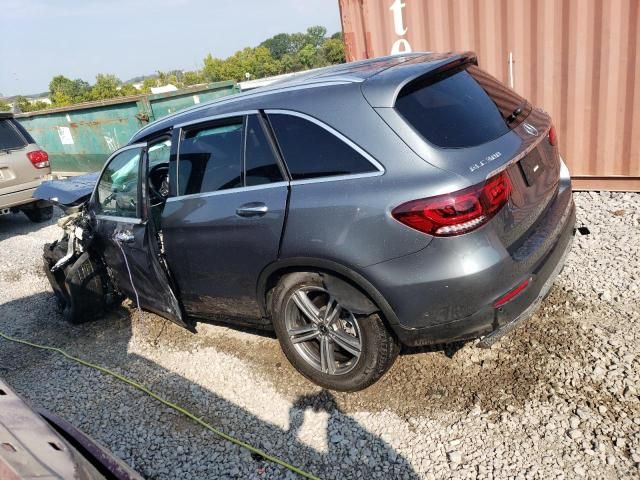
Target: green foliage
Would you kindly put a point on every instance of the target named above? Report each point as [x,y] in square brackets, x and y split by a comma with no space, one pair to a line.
[333,51]
[106,87]
[64,91]
[4,107]
[193,78]
[128,89]
[282,53]
[24,105]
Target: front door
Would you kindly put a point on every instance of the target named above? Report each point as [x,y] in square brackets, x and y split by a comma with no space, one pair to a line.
[223,224]
[127,236]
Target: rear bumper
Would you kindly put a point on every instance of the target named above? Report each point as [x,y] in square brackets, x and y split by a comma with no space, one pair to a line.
[15,199]
[494,323]
[20,194]
[446,292]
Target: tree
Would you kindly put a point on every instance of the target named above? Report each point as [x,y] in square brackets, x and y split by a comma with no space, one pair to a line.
[128,89]
[4,107]
[106,87]
[64,91]
[308,56]
[212,70]
[278,45]
[315,36]
[333,51]
[193,78]
[23,104]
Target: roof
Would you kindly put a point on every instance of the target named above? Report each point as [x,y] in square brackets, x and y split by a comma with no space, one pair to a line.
[383,91]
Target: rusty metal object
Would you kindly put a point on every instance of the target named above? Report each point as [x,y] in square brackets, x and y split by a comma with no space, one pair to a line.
[31,448]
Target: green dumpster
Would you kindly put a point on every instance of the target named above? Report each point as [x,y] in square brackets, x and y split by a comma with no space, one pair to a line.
[79,138]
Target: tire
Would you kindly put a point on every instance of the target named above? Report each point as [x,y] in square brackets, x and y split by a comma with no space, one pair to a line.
[378,347]
[39,214]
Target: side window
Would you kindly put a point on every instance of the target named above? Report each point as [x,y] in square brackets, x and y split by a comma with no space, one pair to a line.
[310,151]
[260,163]
[210,159]
[117,192]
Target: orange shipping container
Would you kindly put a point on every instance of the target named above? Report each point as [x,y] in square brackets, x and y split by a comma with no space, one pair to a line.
[577,59]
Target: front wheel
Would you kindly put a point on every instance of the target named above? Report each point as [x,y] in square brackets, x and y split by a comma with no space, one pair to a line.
[324,341]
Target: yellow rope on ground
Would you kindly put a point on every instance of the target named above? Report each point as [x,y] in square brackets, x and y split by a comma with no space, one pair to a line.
[144,389]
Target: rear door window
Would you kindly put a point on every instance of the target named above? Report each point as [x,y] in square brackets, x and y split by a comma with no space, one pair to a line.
[311,151]
[210,158]
[462,107]
[10,137]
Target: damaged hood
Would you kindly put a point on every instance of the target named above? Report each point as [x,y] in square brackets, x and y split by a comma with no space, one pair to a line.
[69,192]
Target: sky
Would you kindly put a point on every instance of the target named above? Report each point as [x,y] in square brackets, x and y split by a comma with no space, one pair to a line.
[128,38]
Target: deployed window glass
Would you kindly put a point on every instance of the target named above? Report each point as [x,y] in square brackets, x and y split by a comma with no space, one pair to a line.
[210,159]
[462,107]
[260,162]
[10,138]
[117,192]
[311,151]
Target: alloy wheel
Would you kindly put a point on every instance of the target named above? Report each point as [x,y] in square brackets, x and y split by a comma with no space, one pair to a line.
[325,334]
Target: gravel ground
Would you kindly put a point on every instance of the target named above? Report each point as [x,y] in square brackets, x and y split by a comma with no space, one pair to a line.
[558,398]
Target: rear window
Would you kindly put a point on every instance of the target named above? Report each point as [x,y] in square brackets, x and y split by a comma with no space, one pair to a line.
[462,107]
[10,138]
[311,151]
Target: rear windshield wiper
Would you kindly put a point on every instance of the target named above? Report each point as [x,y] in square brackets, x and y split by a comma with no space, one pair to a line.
[512,117]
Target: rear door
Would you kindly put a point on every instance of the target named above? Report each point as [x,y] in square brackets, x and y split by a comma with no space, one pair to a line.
[223,224]
[127,236]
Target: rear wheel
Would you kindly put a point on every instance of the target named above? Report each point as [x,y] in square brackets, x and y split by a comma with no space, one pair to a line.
[39,214]
[325,341]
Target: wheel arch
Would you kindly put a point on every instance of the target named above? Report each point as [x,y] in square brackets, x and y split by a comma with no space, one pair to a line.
[347,278]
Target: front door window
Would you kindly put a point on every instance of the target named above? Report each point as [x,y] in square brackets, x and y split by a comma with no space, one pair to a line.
[117,194]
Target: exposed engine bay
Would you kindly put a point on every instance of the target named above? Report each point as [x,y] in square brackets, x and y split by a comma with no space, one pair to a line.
[80,280]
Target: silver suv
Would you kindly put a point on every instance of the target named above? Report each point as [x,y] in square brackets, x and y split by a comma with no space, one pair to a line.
[23,167]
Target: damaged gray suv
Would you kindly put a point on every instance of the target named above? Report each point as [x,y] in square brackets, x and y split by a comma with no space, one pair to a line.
[404,200]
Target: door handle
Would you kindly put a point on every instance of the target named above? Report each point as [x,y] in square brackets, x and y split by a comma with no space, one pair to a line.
[124,237]
[253,209]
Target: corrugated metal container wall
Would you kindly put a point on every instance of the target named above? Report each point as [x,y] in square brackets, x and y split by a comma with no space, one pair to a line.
[79,138]
[577,59]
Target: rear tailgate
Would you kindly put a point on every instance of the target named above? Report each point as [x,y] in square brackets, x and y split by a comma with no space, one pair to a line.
[460,119]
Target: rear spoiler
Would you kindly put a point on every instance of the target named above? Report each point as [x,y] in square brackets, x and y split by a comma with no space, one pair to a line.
[382,89]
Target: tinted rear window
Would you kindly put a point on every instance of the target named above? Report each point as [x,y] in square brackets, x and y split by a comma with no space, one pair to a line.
[311,151]
[462,107]
[9,136]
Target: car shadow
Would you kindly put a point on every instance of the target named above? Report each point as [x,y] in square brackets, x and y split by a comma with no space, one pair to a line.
[314,434]
[18,224]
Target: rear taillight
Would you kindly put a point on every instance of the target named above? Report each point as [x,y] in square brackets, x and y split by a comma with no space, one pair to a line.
[39,158]
[458,212]
[553,136]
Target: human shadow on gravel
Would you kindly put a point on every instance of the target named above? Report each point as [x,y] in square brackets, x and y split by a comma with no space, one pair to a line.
[171,445]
